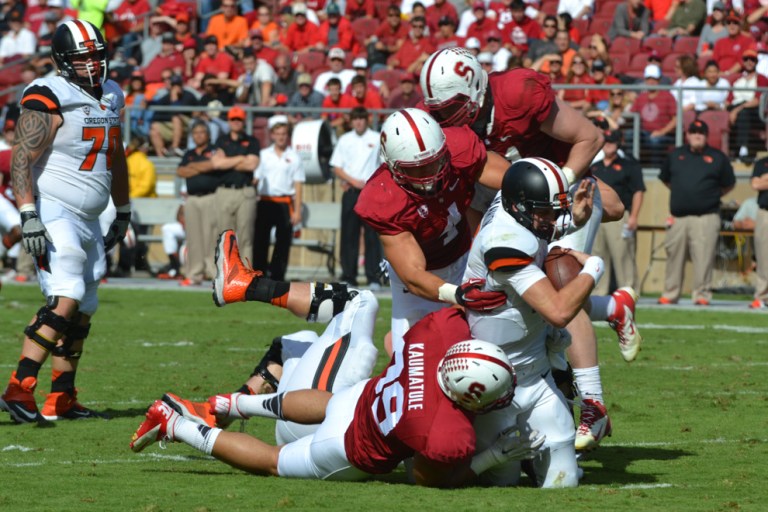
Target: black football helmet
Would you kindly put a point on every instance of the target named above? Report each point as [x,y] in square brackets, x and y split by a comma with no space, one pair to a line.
[537,183]
[79,38]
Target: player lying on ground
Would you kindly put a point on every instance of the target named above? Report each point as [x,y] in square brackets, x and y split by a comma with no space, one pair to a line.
[442,381]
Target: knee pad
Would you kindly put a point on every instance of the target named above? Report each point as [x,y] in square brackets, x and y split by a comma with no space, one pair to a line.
[556,466]
[46,316]
[328,300]
[74,332]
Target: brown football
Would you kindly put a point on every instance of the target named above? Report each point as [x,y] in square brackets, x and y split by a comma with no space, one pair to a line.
[561,268]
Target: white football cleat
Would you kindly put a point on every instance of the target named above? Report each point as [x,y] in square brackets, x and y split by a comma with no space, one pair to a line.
[623,322]
[594,425]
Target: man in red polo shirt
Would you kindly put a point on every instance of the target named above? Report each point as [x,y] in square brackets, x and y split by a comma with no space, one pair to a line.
[213,62]
[728,50]
[415,50]
[438,10]
[302,34]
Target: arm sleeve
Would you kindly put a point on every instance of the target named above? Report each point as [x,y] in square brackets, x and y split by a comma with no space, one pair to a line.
[40,98]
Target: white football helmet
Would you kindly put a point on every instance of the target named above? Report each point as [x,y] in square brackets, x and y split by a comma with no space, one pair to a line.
[532,184]
[454,84]
[477,376]
[413,147]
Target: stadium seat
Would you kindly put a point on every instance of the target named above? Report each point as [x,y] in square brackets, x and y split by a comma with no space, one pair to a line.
[364,28]
[686,44]
[308,62]
[260,131]
[582,26]
[600,25]
[549,7]
[628,45]
[660,24]
[637,64]
[661,45]
[620,62]
[586,39]
[391,77]
[719,128]
[606,8]
[381,8]
[668,64]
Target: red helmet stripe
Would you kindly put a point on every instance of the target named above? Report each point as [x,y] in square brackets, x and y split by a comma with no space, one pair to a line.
[477,355]
[416,132]
[429,76]
[83,30]
[560,184]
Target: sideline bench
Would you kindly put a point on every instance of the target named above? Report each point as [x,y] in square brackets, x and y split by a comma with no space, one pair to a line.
[154,211]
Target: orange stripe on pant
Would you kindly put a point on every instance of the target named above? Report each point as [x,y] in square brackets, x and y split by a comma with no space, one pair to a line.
[280,199]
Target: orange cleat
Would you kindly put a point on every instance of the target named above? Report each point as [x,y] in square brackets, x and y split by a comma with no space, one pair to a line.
[232,276]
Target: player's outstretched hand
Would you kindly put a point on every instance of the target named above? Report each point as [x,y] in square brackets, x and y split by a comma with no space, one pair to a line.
[33,233]
[582,202]
[512,445]
[471,295]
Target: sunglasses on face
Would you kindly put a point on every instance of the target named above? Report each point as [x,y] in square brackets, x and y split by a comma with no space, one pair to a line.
[550,26]
[577,62]
[617,94]
[556,62]
[749,59]
[417,26]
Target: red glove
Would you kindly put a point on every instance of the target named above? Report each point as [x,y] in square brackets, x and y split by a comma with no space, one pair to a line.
[471,295]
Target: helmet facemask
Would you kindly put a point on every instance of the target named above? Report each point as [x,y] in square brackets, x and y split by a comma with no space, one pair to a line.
[430,172]
[530,214]
[455,87]
[80,53]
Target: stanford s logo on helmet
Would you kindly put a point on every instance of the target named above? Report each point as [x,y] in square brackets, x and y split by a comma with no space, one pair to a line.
[477,376]
[413,147]
[537,184]
[80,53]
[454,84]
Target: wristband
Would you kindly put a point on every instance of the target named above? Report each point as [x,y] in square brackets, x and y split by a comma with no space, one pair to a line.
[483,461]
[126,208]
[594,267]
[570,175]
[29,207]
[447,293]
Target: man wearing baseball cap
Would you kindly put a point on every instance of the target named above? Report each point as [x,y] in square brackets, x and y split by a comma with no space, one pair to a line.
[697,176]
[302,34]
[728,50]
[236,157]
[744,105]
[335,31]
[337,62]
[658,117]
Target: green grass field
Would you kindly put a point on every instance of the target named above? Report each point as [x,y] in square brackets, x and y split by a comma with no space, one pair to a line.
[689,418]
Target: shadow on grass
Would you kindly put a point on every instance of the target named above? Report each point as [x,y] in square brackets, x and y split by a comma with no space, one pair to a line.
[616,460]
[125,413]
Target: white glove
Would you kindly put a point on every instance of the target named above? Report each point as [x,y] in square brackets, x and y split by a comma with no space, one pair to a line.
[557,341]
[33,232]
[510,445]
[118,228]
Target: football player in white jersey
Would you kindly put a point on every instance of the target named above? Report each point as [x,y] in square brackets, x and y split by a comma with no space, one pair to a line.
[68,159]
[532,209]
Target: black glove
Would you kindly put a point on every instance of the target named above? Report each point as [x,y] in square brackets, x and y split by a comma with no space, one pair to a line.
[33,234]
[471,296]
[117,229]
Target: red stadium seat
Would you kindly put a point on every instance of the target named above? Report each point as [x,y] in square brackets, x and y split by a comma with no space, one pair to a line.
[582,26]
[619,62]
[668,64]
[661,45]
[600,25]
[628,45]
[308,62]
[549,7]
[364,28]
[391,77]
[686,44]
[260,131]
[719,128]
[606,8]
[637,64]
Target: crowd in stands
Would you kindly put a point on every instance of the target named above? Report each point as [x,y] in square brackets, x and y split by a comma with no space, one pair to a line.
[324,54]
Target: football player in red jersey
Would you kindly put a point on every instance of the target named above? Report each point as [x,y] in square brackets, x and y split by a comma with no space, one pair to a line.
[422,406]
[416,201]
[518,114]
[68,159]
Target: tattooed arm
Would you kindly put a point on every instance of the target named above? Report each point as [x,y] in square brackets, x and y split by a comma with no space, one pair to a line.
[34,134]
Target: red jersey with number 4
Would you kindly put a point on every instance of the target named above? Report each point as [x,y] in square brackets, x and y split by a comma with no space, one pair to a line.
[522,101]
[437,222]
[403,411]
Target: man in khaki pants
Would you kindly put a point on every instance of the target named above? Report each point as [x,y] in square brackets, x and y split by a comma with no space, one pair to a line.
[697,176]
[760,183]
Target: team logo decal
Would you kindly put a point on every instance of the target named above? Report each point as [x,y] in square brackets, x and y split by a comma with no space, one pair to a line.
[87,110]
[423,211]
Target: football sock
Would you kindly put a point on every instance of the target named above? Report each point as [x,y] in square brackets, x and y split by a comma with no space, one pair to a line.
[588,382]
[197,436]
[602,307]
[62,381]
[27,368]
[245,389]
[264,289]
[264,406]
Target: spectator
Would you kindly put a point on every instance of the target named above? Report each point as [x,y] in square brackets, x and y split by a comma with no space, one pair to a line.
[128,21]
[415,50]
[213,62]
[596,50]
[728,50]
[236,157]
[335,99]
[362,96]
[600,97]
[437,11]
[578,9]
[170,127]
[446,34]
[260,49]
[152,44]
[699,171]
[499,53]
[181,28]
[167,59]
[407,95]
[564,53]
[19,41]
[714,89]
[545,43]
[658,116]
[631,19]
[486,61]
[688,81]
[520,30]
[387,40]
[285,78]
[280,178]
[686,17]
[336,31]
[229,28]
[302,34]
[577,98]
[355,158]
[618,105]
[759,183]
[304,98]
[714,30]
[174,237]
[202,180]
[191,57]
[337,60]
[565,22]
[267,25]
[254,85]
[356,9]
[654,57]
[473,45]
[360,66]
[744,106]
[616,242]
[658,9]
[555,65]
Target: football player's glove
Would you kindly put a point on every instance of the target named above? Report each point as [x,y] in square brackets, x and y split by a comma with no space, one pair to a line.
[33,232]
[471,295]
[118,228]
[510,445]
